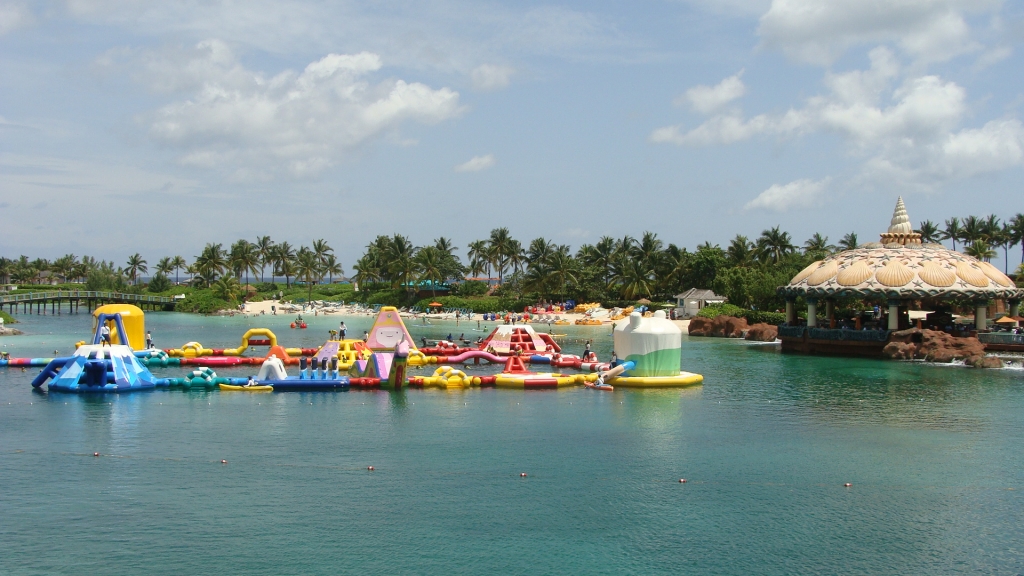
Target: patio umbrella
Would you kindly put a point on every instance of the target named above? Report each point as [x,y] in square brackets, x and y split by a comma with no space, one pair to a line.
[1006,320]
[643,301]
[435,304]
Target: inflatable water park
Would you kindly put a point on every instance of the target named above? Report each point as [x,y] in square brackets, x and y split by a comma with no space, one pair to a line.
[116,360]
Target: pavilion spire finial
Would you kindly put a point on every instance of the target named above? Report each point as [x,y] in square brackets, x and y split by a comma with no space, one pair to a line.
[900,223]
[900,230]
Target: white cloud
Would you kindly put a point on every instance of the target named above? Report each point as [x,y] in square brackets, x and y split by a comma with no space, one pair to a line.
[487,77]
[997,145]
[819,32]
[303,122]
[910,135]
[707,99]
[13,15]
[796,194]
[477,163]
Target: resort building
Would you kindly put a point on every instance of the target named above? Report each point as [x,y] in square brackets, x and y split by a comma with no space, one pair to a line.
[894,274]
[689,303]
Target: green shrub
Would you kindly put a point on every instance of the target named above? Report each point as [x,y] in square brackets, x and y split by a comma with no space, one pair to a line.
[469,288]
[724,309]
[752,316]
[8,319]
[202,302]
[159,283]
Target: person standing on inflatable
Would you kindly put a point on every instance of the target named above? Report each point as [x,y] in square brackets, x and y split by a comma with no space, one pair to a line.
[105,334]
[342,329]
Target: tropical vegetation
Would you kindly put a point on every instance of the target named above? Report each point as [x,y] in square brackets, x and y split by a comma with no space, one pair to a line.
[498,271]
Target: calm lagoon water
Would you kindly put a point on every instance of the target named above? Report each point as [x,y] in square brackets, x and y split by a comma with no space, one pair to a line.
[933,452]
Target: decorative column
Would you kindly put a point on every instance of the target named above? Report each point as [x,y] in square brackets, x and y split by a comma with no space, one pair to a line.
[830,312]
[812,312]
[980,310]
[1014,308]
[894,314]
[790,312]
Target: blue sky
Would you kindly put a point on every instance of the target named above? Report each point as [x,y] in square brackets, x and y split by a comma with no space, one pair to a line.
[159,126]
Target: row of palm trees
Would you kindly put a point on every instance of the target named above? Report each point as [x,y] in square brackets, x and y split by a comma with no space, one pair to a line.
[626,267]
[980,235]
[310,264]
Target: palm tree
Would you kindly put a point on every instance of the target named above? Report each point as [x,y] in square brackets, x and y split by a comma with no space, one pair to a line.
[1017,233]
[981,250]
[740,251]
[1004,237]
[331,267]
[136,264]
[307,268]
[264,246]
[227,288]
[953,231]
[428,264]
[321,249]
[244,258]
[6,267]
[399,255]
[178,262]
[648,249]
[774,244]
[500,244]
[562,270]
[636,279]
[929,232]
[849,242]
[477,254]
[211,261]
[974,230]
[164,266]
[445,245]
[603,254]
[284,262]
[817,246]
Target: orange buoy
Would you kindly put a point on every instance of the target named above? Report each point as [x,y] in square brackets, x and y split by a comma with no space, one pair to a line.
[293,325]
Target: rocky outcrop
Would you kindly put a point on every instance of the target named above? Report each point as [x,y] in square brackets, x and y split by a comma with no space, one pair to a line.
[719,326]
[9,332]
[935,346]
[984,362]
[762,332]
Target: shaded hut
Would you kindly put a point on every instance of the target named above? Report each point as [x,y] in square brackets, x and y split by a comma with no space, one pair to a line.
[897,270]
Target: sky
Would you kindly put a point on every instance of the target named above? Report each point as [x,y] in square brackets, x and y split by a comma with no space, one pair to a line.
[156,127]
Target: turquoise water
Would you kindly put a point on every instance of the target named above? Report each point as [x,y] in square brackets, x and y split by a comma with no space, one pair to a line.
[933,453]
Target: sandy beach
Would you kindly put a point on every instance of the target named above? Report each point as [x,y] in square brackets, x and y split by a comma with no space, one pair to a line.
[266,307]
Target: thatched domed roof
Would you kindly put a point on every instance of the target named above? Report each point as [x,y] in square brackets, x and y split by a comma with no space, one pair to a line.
[900,267]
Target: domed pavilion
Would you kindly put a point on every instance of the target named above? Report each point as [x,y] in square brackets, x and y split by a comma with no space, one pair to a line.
[898,270]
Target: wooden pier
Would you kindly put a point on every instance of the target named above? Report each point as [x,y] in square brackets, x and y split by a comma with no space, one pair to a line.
[73,300]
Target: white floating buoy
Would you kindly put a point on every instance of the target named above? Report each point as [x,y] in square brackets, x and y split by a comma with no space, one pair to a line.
[522,474]
[847,485]
[370,468]
[223,461]
[682,480]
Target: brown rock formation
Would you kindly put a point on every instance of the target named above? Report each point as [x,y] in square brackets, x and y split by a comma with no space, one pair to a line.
[935,346]
[719,326]
[984,362]
[762,332]
[699,326]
